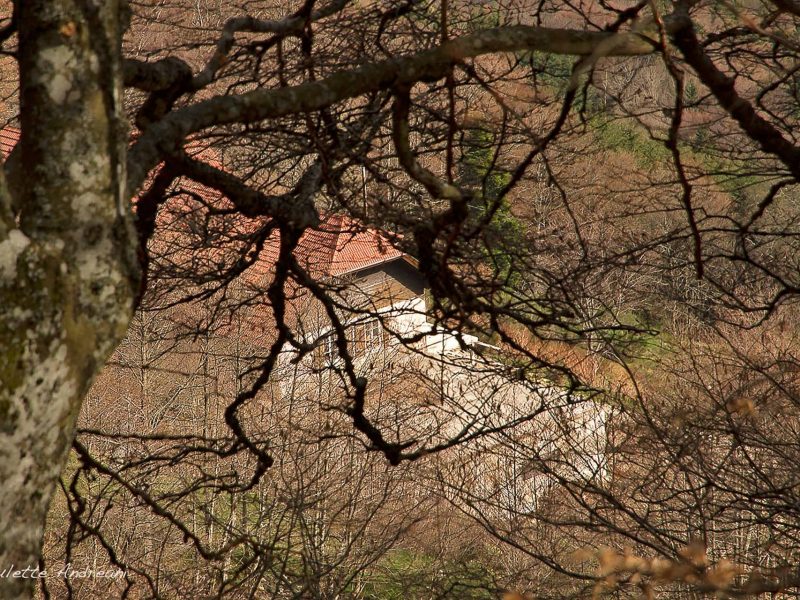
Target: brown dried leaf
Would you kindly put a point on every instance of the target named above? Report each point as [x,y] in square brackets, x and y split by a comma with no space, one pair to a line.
[694,554]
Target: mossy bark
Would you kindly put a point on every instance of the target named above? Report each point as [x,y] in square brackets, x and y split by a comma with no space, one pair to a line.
[67,257]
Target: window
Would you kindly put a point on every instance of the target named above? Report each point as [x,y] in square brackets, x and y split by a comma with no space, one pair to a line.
[329,350]
[366,337]
[373,336]
[363,338]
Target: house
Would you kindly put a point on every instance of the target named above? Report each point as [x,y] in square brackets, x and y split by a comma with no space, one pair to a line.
[378,289]
[369,278]
[379,298]
[376,285]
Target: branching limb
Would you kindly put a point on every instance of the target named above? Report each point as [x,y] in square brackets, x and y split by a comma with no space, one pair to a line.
[672,144]
[790,6]
[430,65]
[87,459]
[146,211]
[291,25]
[170,78]
[437,188]
[155,76]
[768,137]
[295,207]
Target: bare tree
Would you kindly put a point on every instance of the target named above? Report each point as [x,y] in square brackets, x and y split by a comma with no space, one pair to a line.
[151,480]
[435,122]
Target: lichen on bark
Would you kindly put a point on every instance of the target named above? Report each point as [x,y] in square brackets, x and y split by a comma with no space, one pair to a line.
[68,272]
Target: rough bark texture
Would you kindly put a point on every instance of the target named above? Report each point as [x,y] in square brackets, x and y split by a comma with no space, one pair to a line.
[67,266]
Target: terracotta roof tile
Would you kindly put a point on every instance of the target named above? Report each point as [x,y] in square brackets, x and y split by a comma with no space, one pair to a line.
[341,245]
[338,246]
[9,136]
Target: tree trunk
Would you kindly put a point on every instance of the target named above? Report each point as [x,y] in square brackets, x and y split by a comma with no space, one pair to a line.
[67,257]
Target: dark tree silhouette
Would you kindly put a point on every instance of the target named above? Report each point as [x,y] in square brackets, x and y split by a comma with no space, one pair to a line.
[600,200]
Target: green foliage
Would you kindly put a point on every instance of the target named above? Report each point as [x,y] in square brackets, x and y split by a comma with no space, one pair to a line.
[553,70]
[485,16]
[690,92]
[624,136]
[394,574]
[477,168]
[480,174]
[732,176]
[407,575]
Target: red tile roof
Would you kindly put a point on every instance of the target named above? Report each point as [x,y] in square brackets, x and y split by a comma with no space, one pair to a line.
[338,246]
[9,136]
